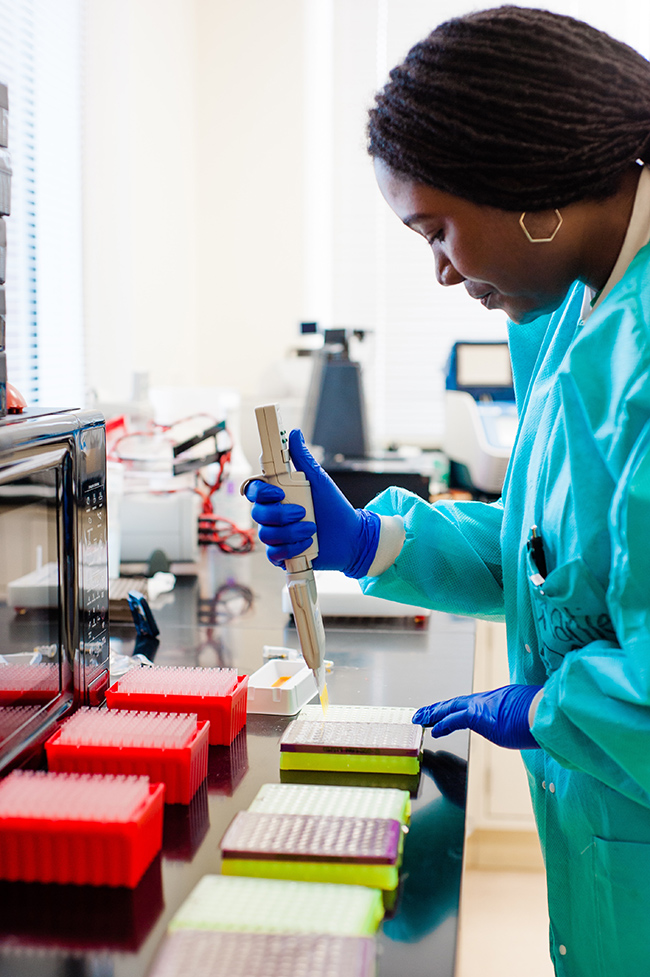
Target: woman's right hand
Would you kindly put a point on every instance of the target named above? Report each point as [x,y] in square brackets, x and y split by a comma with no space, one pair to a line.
[347,537]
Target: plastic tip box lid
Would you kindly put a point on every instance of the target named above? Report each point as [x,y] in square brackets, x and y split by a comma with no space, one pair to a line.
[215,954]
[338,800]
[293,837]
[359,714]
[221,902]
[372,739]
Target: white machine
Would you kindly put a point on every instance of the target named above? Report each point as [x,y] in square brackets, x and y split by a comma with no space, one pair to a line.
[341,596]
[480,414]
[277,470]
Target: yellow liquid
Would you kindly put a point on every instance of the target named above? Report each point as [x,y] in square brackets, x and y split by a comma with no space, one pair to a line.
[324,700]
[280,681]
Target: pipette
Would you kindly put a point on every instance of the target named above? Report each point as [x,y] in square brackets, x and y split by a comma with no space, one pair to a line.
[278,470]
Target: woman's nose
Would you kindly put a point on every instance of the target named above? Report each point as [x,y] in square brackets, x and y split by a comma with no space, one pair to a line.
[445,271]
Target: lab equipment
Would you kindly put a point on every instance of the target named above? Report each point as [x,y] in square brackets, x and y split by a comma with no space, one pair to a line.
[216,694]
[314,848]
[143,619]
[501,716]
[213,954]
[348,537]
[146,629]
[166,521]
[372,747]
[169,748]
[54,552]
[341,596]
[277,471]
[335,410]
[480,415]
[221,902]
[280,687]
[85,829]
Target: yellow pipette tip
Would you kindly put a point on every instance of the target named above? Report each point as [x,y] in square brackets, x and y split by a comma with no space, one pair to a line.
[324,700]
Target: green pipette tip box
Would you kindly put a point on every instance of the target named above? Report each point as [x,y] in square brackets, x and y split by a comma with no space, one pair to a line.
[360,747]
[215,954]
[407,782]
[238,904]
[314,848]
[336,800]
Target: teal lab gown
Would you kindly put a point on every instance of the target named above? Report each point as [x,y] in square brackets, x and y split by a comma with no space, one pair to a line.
[580,471]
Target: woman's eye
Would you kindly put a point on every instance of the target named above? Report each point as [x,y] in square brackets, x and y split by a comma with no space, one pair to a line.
[440,236]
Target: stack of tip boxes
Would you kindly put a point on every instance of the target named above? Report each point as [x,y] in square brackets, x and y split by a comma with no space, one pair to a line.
[96,816]
[307,870]
[242,927]
[214,694]
[315,833]
[5,210]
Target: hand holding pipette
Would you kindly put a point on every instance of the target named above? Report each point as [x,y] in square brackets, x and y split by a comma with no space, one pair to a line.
[278,473]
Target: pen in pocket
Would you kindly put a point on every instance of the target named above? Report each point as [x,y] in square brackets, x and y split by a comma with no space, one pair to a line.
[536,550]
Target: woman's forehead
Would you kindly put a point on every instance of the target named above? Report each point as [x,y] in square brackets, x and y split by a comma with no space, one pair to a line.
[411,200]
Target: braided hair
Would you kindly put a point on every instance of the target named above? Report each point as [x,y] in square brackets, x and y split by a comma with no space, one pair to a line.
[516,108]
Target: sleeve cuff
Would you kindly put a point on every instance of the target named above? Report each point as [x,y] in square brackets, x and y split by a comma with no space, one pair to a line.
[391,540]
[533,707]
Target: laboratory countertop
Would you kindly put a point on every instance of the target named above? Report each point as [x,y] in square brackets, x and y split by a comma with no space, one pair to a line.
[224,617]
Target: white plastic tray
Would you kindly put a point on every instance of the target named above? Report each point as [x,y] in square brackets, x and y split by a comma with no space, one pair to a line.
[286,699]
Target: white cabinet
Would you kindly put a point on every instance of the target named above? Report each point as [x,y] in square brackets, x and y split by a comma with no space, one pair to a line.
[500,823]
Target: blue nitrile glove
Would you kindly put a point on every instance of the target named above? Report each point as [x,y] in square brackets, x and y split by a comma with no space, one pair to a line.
[500,715]
[347,537]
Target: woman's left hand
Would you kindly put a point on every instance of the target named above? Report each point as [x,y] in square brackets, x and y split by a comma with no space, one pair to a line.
[500,716]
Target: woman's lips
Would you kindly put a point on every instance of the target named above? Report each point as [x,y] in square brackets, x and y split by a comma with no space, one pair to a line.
[481,294]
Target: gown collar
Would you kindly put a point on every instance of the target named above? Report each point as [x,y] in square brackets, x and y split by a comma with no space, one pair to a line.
[636,237]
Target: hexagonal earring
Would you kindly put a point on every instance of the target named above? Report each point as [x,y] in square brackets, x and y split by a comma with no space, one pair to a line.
[541,240]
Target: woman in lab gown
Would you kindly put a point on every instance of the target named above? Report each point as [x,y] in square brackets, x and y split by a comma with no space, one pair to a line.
[513,141]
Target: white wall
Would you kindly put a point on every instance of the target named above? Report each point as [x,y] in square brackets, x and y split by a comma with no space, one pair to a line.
[249,183]
[193,257]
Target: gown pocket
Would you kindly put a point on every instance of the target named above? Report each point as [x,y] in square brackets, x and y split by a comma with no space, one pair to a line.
[622,884]
[570,609]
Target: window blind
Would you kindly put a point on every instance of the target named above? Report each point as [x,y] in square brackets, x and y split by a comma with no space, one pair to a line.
[40,62]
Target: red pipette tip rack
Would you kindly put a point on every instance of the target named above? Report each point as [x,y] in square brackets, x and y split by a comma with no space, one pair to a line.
[85,829]
[28,684]
[216,694]
[169,748]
